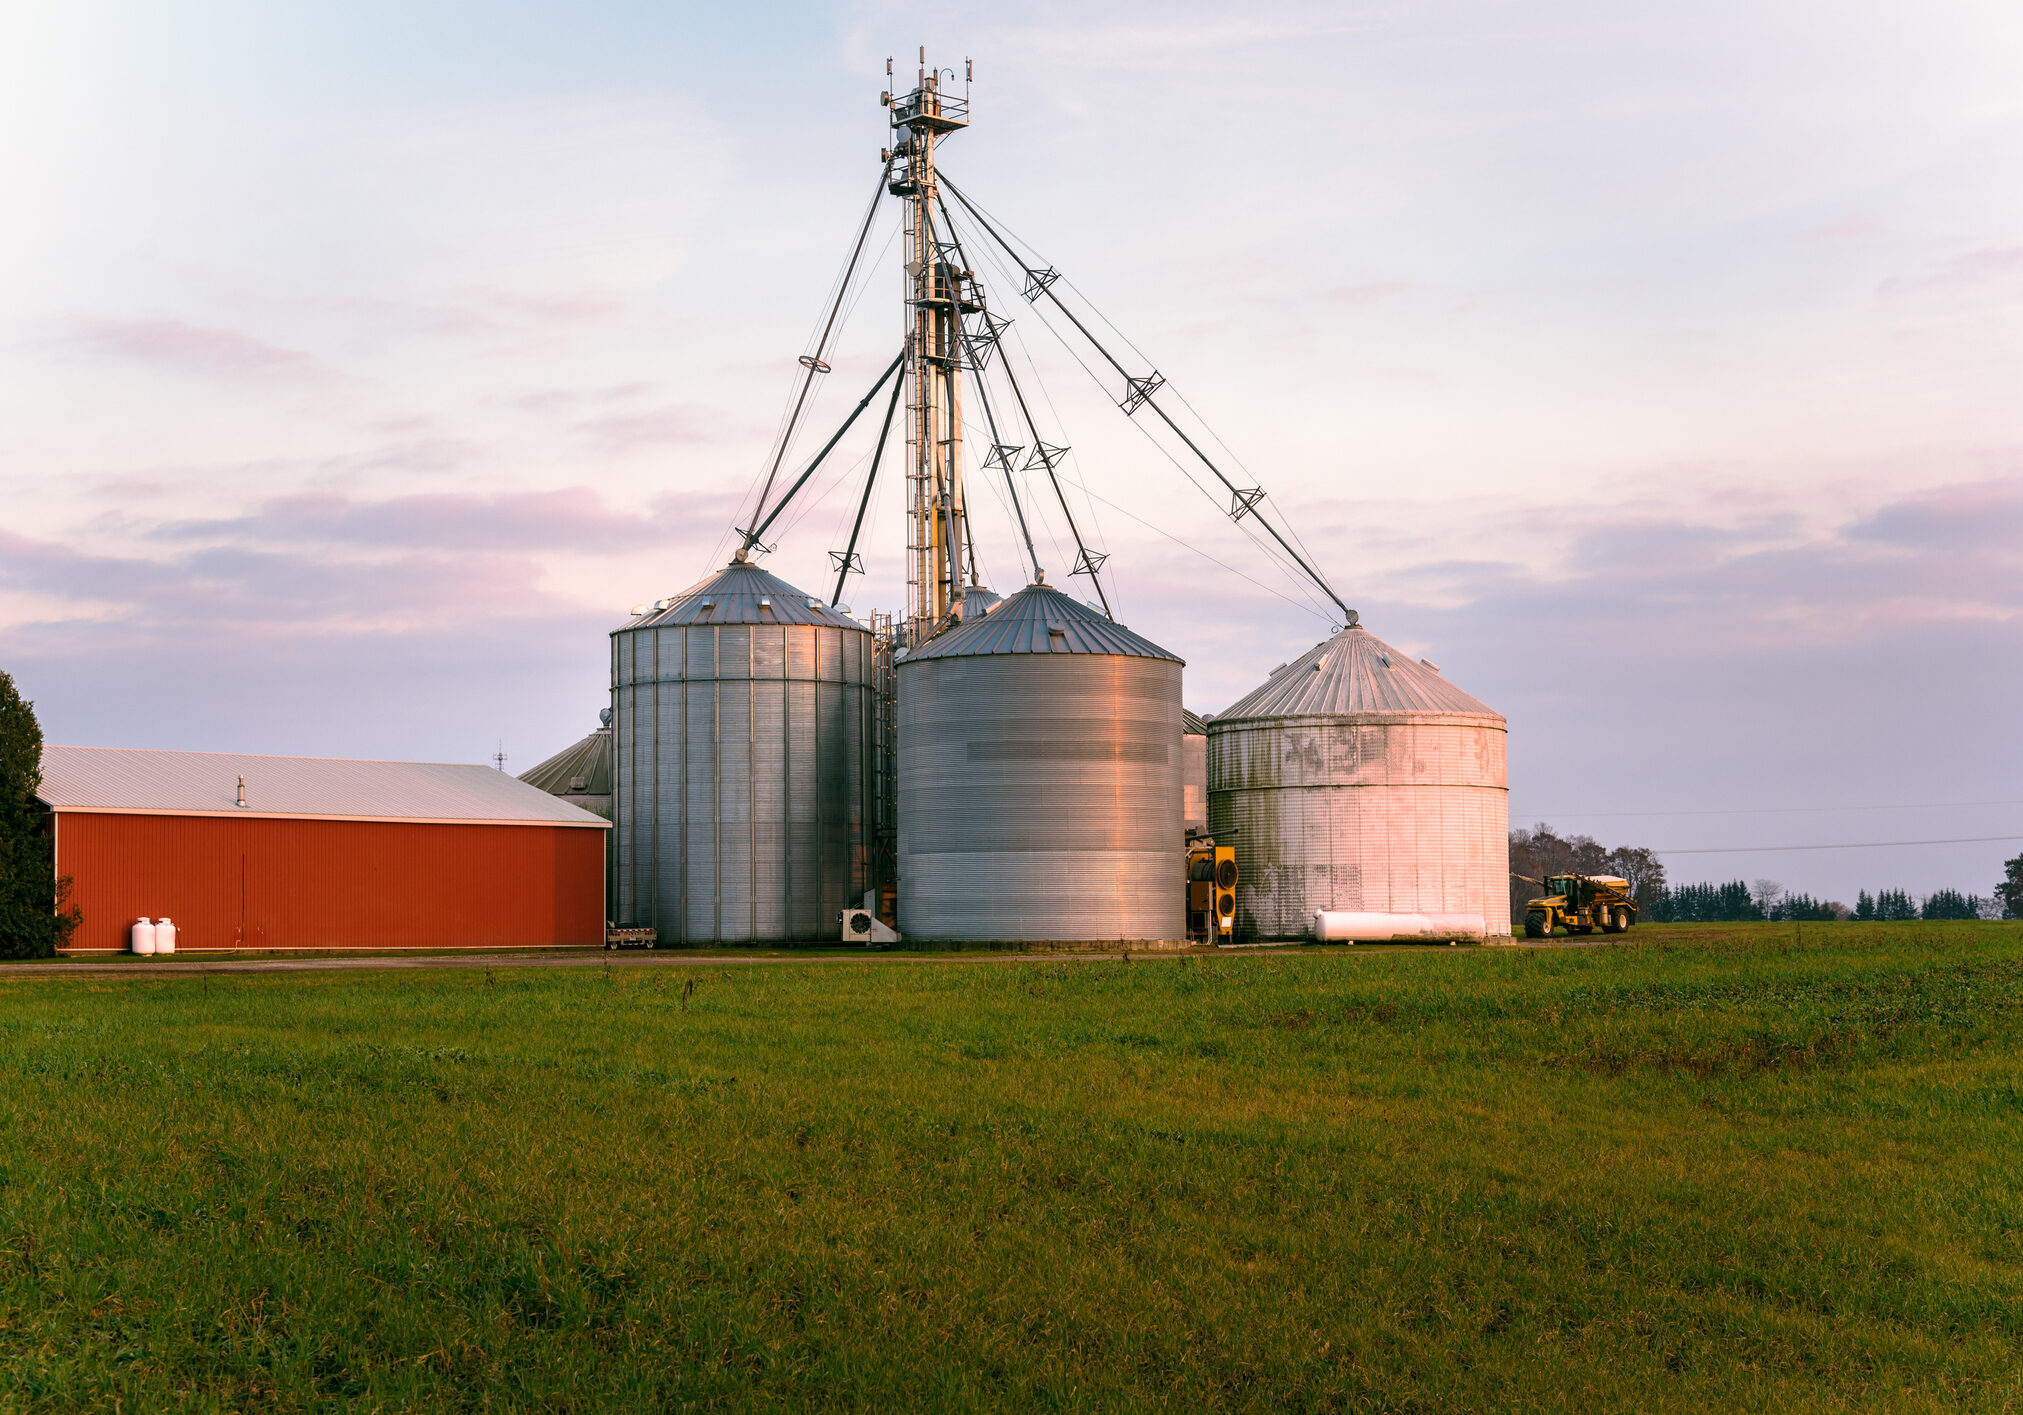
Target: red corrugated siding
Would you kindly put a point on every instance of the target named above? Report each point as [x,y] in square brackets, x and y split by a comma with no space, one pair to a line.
[230,883]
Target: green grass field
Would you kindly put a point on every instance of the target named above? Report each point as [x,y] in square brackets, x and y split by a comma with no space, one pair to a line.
[1715,1167]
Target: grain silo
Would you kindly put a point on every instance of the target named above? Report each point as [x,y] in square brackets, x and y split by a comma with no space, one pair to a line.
[1039,779]
[741,762]
[579,774]
[1193,772]
[979,600]
[1357,778]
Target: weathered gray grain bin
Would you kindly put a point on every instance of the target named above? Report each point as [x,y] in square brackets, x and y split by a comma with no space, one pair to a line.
[1357,778]
[1039,779]
[580,774]
[741,762]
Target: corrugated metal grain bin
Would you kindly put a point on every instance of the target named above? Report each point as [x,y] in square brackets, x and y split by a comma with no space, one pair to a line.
[309,853]
[742,714]
[1357,778]
[1193,772]
[1039,780]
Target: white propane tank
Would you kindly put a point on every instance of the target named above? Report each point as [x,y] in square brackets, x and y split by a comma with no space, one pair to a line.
[165,936]
[143,937]
[1340,926]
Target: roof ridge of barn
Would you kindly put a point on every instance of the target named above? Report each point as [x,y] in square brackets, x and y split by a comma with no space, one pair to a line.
[145,780]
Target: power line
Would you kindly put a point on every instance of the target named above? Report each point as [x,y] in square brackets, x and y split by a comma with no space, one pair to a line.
[1853,845]
[1781,810]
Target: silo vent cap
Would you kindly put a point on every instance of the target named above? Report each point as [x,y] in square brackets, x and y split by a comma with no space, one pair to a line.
[1384,659]
[1430,664]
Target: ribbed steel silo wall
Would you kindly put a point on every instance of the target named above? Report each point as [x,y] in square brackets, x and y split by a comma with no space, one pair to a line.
[1040,798]
[1194,779]
[741,778]
[1383,815]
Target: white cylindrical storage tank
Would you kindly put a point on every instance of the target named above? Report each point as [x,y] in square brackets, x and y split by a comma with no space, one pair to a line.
[1039,780]
[1358,779]
[741,769]
[1193,772]
[1333,926]
[143,937]
[165,935]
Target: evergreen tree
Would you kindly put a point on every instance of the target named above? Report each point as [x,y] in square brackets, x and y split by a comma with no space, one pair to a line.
[1864,907]
[1895,906]
[2009,893]
[34,921]
[1803,907]
[1704,904]
[1951,904]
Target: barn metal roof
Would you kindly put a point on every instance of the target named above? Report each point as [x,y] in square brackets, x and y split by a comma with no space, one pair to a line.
[739,594]
[1355,672]
[1040,619]
[133,781]
[583,769]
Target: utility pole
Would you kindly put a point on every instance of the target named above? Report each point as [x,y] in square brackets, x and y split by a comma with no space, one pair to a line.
[937,296]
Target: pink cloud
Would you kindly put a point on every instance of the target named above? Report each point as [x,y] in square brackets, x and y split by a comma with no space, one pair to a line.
[674,425]
[568,518]
[195,348]
[1358,296]
[1978,267]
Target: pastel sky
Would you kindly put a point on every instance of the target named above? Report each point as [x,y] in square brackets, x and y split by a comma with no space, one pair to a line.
[1657,370]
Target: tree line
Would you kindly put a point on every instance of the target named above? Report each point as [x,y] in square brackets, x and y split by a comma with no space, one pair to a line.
[1542,852]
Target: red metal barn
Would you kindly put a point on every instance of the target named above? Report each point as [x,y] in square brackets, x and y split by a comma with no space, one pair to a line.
[309,853]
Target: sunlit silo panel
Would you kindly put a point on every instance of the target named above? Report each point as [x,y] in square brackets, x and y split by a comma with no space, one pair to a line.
[1193,772]
[1040,779]
[1357,778]
[741,762]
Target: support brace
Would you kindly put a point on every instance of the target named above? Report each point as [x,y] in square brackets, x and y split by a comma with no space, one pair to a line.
[1041,282]
[752,535]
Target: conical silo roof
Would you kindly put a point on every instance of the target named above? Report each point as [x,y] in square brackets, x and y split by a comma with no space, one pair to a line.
[1040,619]
[1355,674]
[979,600]
[583,769]
[739,593]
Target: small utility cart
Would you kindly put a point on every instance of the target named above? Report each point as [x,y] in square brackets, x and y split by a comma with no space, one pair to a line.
[615,937]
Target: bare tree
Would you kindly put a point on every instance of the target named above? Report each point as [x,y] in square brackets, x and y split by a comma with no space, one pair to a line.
[1766,893]
[1644,870]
